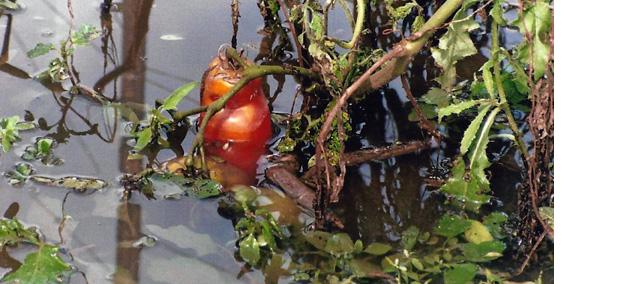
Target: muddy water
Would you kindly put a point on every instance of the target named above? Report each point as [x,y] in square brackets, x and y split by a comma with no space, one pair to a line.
[154,47]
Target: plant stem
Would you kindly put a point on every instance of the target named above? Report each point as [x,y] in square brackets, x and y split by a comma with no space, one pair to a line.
[500,90]
[359,26]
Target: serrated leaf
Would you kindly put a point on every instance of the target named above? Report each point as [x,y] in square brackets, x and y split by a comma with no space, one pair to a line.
[436,96]
[378,248]
[250,250]
[460,274]
[40,49]
[487,76]
[176,96]
[472,130]
[43,266]
[457,108]
[13,232]
[483,252]
[467,192]
[536,20]
[451,225]
[84,35]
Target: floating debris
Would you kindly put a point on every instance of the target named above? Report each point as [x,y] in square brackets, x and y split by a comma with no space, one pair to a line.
[79,184]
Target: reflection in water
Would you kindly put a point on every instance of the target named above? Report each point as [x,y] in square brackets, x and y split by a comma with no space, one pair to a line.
[128,231]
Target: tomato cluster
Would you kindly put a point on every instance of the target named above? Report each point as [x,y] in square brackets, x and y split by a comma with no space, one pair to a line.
[240,131]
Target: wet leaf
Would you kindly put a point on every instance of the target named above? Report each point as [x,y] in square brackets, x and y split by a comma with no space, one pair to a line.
[536,20]
[468,193]
[460,274]
[477,233]
[457,108]
[452,225]
[378,248]
[339,244]
[40,49]
[20,174]
[144,137]
[483,252]
[79,184]
[317,239]
[10,130]
[494,223]
[472,130]
[43,266]
[13,232]
[84,35]
[409,237]
[249,250]
[205,188]
[174,98]
[438,97]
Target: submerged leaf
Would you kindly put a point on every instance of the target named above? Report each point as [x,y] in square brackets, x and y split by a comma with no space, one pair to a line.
[460,274]
[43,266]
[13,232]
[250,250]
[478,233]
[483,252]
[79,184]
[409,237]
[378,248]
[338,244]
[452,225]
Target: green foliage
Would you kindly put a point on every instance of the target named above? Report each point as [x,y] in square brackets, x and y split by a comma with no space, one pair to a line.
[547,214]
[42,266]
[42,150]
[452,225]
[8,5]
[535,21]
[21,173]
[153,131]
[478,233]
[59,67]
[455,45]
[40,49]
[171,102]
[10,128]
[13,232]
[397,14]
[484,251]
[460,274]
[494,222]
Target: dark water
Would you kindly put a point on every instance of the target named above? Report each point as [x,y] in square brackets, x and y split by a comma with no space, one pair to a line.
[156,46]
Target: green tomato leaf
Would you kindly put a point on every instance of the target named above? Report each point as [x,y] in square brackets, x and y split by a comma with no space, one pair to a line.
[40,49]
[84,35]
[43,266]
[409,237]
[460,274]
[174,98]
[144,137]
[494,223]
[250,250]
[13,232]
[378,248]
[472,130]
[483,252]
[535,20]
[457,108]
[478,233]
[205,188]
[452,225]
[339,244]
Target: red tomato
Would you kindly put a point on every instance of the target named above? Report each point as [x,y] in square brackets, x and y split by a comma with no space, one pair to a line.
[239,132]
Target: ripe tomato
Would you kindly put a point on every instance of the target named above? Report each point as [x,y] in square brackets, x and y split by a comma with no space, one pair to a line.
[239,132]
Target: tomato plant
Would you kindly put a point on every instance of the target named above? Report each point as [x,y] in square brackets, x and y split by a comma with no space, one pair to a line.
[238,133]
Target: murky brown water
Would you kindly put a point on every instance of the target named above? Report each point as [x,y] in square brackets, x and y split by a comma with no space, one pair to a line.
[156,46]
